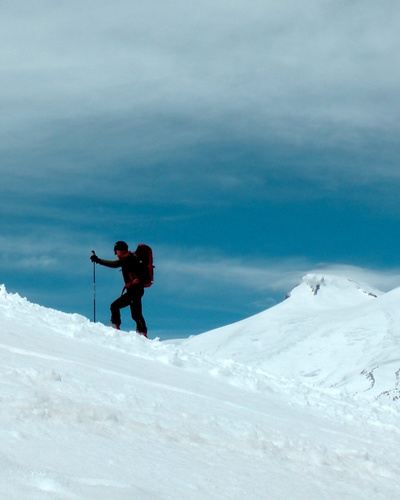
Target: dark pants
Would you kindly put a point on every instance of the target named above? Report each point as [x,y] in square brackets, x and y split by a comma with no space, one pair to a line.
[132,298]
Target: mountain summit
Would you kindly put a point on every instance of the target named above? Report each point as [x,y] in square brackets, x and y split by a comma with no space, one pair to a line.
[330,331]
[332,291]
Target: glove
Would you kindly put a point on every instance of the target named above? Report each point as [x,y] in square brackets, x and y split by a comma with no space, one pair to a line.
[94,258]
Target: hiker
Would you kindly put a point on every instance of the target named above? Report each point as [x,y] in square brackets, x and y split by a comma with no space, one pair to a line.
[136,278]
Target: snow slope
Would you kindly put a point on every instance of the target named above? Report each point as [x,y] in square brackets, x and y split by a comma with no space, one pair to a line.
[88,412]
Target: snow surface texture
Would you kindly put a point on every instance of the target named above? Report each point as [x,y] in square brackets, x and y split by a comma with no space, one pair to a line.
[298,402]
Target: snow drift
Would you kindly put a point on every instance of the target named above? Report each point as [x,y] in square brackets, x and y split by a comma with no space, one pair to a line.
[297,402]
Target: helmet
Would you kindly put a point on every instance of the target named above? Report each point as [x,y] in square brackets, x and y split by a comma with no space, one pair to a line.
[120,245]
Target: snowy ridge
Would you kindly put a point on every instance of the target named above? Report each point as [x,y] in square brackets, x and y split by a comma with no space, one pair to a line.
[237,373]
[246,371]
[78,327]
[89,412]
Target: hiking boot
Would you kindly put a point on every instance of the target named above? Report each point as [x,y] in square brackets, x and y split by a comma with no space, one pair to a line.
[114,325]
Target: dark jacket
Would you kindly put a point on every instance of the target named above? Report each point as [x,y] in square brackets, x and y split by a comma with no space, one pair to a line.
[131,269]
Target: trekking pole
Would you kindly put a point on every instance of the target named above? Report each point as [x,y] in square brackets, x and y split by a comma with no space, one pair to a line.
[94,290]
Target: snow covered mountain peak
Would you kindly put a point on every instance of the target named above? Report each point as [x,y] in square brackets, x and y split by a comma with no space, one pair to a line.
[330,332]
[331,291]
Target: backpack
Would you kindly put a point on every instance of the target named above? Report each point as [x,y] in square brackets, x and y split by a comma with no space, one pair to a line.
[144,255]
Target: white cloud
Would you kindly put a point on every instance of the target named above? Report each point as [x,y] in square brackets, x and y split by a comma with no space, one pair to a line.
[196,96]
[272,63]
[197,271]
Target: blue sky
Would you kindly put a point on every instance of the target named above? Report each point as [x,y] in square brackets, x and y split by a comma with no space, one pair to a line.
[247,142]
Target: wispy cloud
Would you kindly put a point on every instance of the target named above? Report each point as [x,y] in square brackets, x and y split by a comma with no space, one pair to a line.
[190,269]
[199,270]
